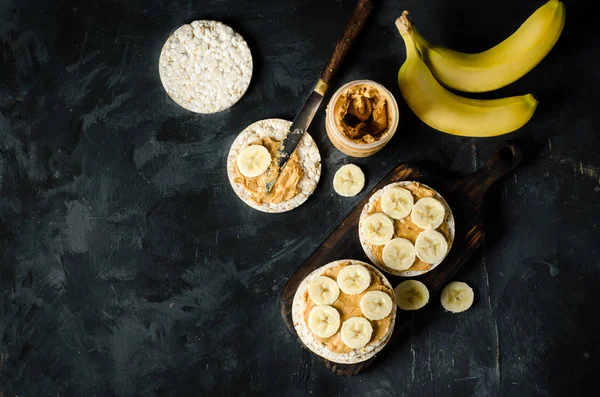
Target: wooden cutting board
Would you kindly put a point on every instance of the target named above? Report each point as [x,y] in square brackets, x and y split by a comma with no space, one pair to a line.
[464,195]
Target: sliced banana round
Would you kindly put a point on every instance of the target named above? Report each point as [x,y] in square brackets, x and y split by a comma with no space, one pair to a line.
[324,321]
[398,254]
[354,279]
[376,305]
[411,295]
[253,160]
[323,290]
[397,202]
[428,213]
[378,228]
[349,180]
[356,332]
[457,297]
[431,246]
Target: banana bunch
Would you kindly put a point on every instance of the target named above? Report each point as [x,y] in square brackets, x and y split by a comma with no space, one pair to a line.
[427,67]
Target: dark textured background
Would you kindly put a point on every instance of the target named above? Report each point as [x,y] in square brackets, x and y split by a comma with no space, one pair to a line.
[129,267]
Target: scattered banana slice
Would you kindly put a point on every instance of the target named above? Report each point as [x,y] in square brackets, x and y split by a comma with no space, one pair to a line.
[253,160]
[378,228]
[349,180]
[411,295]
[356,332]
[398,254]
[376,305]
[428,213]
[457,297]
[324,321]
[431,246]
[323,290]
[397,202]
[354,279]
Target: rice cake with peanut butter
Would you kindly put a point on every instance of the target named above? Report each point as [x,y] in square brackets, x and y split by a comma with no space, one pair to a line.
[298,178]
[405,228]
[349,307]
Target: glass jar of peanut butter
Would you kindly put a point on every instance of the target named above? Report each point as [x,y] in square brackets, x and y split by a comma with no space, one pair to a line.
[361,118]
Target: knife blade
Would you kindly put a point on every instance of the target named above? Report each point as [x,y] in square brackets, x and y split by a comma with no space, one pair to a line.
[303,119]
[295,134]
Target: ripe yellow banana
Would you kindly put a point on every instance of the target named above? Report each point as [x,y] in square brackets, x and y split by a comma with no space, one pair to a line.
[451,113]
[500,65]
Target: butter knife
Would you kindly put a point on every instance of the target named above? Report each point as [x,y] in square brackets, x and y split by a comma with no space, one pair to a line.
[300,124]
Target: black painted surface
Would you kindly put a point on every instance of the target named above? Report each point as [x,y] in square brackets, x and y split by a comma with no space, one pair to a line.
[129,267]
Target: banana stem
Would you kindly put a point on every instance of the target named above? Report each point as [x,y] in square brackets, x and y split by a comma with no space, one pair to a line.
[405,27]
[404,24]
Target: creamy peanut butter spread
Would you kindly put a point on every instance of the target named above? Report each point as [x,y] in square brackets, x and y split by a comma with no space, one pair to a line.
[362,113]
[286,186]
[349,306]
[405,228]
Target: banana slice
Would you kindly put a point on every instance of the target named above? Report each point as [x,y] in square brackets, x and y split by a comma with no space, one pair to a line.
[457,297]
[397,202]
[431,246]
[411,295]
[376,305]
[323,290]
[398,254]
[378,228]
[428,213]
[349,180]
[324,321]
[354,279]
[356,332]
[253,160]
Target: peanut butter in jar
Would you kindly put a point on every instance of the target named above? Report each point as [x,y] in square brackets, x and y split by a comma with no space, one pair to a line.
[361,118]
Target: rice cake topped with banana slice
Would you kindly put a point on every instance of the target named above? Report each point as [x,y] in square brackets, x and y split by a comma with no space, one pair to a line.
[344,311]
[406,228]
[248,167]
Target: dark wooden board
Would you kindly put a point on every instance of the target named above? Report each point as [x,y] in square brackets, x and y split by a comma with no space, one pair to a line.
[464,195]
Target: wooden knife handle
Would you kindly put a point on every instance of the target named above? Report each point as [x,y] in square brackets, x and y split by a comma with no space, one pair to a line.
[353,27]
